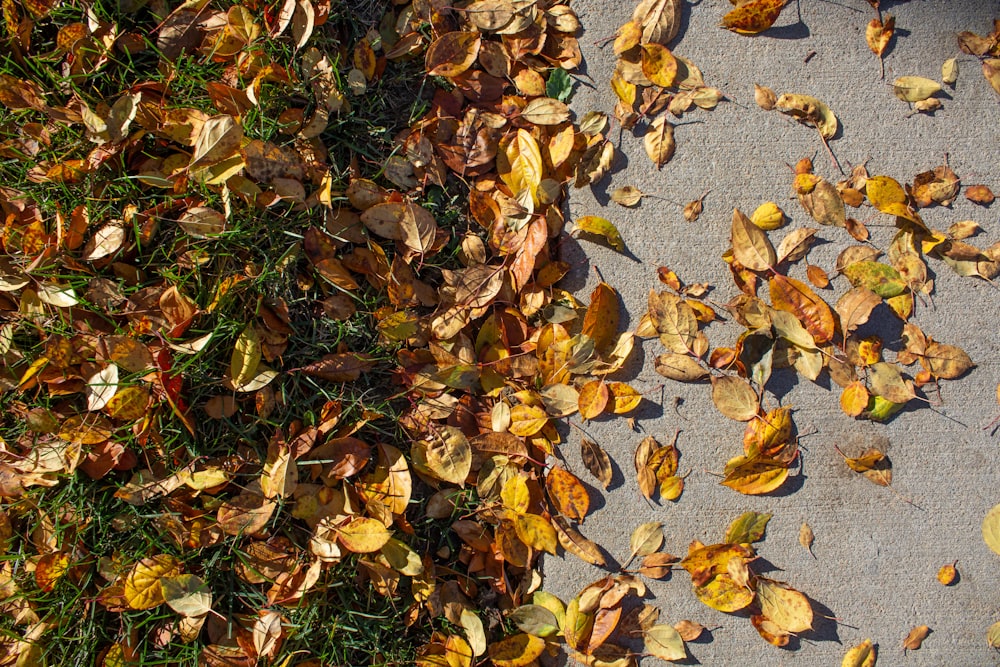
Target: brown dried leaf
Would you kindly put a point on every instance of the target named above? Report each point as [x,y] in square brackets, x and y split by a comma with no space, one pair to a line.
[596,460]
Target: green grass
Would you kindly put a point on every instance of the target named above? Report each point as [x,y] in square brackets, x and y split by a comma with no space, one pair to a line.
[342,620]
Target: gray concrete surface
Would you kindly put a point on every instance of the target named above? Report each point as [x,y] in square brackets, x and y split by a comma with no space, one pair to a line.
[876,555]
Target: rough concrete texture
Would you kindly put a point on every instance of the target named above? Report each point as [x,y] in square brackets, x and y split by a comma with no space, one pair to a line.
[876,554]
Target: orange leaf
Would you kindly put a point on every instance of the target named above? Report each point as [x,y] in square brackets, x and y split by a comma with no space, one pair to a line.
[593,399]
[601,320]
[797,298]
[452,53]
[568,493]
[753,17]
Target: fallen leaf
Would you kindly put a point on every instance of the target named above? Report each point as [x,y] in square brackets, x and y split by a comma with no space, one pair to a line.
[629,196]
[646,539]
[914,88]
[991,529]
[806,538]
[519,650]
[143,588]
[949,71]
[915,639]
[947,574]
[187,594]
[735,398]
[979,194]
[755,16]
[596,460]
[749,527]
[664,642]
[592,224]
[659,141]
[568,493]
[751,247]
[809,111]
[784,606]
[862,655]
[659,20]
[452,53]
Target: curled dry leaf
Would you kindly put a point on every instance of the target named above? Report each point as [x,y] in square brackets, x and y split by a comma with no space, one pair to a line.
[947,574]
[809,111]
[764,97]
[592,224]
[596,460]
[659,20]
[915,639]
[806,538]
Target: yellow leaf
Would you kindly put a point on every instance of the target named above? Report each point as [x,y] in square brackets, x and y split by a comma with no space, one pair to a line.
[854,399]
[246,356]
[363,535]
[623,398]
[752,17]
[592,224]
[519,163]
[947,574]
[536,532]
[646,539]
[862,655]
[735,398]
[659,141]
[527,420]
[143,588]
[601,319]
[659,65]
[754,476]
[664,642]
[784,606]
[515,494]
[914,88]
[445,454]
[768,216]
[593,399]
[519,650]
[991,529]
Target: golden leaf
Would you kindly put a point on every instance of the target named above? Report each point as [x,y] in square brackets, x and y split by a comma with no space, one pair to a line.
[143,589]
[452,53]
[752,17]
[567,493]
